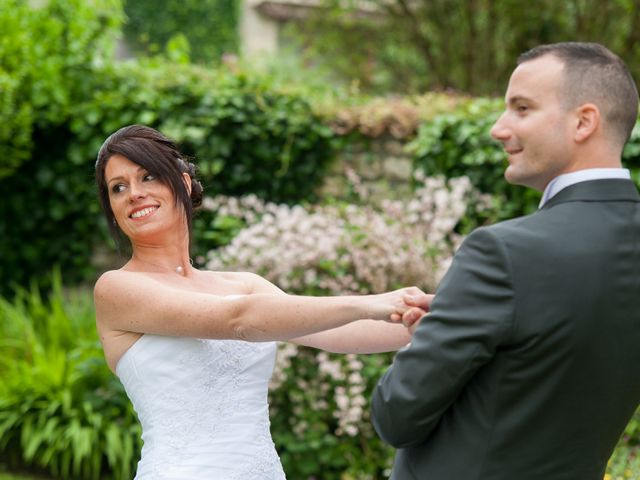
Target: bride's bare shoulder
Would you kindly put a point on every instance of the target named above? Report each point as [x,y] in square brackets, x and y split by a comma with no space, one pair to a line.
[107,279]
[114,276]
[114,282]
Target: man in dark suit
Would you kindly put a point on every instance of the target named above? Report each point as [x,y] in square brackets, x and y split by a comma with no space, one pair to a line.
[528,365]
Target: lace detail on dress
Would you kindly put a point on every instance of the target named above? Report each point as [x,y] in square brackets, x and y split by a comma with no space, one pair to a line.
[203,408]
[265,465]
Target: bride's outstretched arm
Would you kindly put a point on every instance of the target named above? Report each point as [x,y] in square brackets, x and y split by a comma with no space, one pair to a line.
[133,302]
[362,336]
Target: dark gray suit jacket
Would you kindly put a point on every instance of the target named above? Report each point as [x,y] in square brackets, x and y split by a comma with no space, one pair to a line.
[528,366]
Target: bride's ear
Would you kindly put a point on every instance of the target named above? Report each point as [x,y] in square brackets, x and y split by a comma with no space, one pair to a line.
[186,178]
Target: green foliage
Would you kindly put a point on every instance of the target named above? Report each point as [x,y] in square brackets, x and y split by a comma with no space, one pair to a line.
[245,135]
[320,416]
[48,215]
[209,26]
[61,409]
[470,46]
[48,55]
[45,52]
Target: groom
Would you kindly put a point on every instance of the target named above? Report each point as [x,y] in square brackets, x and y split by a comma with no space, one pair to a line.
[528,365]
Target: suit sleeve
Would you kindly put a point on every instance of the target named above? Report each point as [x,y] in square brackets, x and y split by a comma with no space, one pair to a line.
[471,315]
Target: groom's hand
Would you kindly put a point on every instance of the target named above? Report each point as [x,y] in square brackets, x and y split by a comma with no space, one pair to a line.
[419,303]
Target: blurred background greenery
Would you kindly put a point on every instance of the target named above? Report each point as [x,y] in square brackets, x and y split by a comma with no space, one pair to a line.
[282,103]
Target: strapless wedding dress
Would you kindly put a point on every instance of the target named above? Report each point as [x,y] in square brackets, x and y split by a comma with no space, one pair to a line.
[203,408]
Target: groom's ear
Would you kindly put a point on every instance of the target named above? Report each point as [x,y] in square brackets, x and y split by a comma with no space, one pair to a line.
[587,122]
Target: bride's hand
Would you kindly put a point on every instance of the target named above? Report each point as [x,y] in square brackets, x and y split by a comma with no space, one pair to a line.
[418,304]
[403,301]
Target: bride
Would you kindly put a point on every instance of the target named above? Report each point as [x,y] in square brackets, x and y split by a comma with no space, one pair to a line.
[195,349]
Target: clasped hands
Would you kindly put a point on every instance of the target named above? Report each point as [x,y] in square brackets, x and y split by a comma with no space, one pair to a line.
[415,304]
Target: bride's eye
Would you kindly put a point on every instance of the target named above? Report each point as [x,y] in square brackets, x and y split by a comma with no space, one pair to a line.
[117,188]
[148,177]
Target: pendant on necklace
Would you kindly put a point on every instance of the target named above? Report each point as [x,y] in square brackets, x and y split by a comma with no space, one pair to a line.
[179,270]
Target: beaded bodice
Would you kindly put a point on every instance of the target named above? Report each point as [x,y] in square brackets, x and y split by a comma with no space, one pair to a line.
[203,408]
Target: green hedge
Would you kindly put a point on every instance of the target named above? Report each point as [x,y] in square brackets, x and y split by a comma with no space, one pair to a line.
[46,53]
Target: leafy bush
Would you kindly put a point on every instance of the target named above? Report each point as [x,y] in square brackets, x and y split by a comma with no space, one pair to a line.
[400,46]
[46,51]
[210,26]
[342,248]
[320,420]
[61,409]
[246,136]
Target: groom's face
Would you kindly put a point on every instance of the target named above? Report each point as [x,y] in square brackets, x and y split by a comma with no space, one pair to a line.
[535,128]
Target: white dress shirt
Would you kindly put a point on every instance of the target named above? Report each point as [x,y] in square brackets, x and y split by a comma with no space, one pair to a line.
[563,181]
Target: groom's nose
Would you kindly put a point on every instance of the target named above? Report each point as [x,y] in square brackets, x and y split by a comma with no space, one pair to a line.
[499,130]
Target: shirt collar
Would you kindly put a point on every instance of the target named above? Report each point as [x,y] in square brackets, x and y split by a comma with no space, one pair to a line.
[563,181]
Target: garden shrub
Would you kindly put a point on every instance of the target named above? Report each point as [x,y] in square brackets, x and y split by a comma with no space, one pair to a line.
[246,137]
[210,26]
[343,248]
[61,410]
[46,51]
[320,414]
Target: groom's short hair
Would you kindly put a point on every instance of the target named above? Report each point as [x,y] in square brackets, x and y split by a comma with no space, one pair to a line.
[594,74]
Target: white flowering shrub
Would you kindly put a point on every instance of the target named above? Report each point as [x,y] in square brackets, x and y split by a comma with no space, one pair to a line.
[320,401]
[347,248]
[320,420]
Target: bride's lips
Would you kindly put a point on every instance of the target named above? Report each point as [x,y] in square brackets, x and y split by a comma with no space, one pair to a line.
[143,212]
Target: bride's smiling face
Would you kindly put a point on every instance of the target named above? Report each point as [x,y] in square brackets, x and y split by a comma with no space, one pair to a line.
[141,203]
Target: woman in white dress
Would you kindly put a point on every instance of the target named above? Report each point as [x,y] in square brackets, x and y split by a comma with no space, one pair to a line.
[195,349]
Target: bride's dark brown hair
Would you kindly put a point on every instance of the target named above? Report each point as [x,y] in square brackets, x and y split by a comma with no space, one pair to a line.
[159,156]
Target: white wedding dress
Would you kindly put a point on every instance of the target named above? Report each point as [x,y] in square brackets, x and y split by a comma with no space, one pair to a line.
[203,408]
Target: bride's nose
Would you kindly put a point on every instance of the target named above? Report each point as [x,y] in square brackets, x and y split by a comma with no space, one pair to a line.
[136,191]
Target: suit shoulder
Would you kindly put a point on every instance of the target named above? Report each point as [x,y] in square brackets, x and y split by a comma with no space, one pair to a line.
[516,226]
